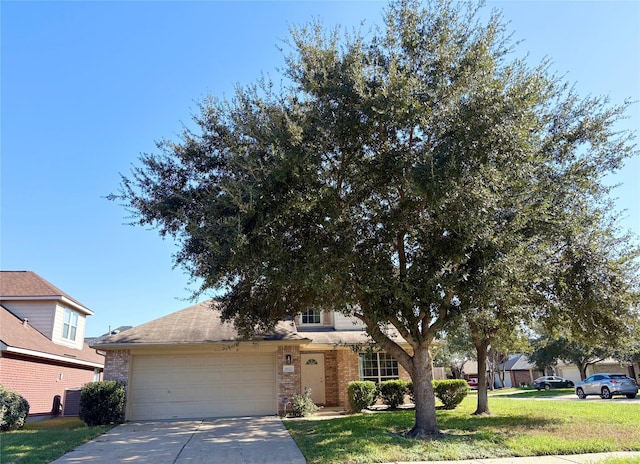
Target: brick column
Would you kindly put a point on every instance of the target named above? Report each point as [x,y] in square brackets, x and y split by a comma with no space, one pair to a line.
[287,383]
[348,370]
[116,365]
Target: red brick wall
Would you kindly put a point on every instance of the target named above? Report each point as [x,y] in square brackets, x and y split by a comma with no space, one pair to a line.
[116,365]
[287,383]
[342,367]
[38,382]
[524,376]
[331,378]
[347,370]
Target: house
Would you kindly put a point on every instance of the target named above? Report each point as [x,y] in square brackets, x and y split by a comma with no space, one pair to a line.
[517,370]
[609,365]
[190,364]
[42,351]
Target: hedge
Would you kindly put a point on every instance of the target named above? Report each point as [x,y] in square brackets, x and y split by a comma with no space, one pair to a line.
[449,392]
[392,392]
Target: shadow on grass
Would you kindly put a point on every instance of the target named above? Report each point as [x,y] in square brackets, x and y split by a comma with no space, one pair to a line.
[380,437]
[42,442]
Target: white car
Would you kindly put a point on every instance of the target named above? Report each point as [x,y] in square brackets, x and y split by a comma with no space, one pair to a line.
[607,385]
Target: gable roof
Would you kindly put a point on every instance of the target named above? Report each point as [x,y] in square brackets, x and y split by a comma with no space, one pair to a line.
[197,324]
[17,336]
[517,362]
[27,285]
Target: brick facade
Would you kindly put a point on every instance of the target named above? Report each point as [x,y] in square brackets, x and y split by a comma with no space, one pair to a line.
[347,371]
[116,365]
[341,367]
[331,378]
[39,382]
[526,377]
[287,383]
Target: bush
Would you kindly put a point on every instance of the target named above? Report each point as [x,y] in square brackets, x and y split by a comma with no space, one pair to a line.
[451,392]
[303,405]
[392,392]
[362,394]
[102,403]
[14,410]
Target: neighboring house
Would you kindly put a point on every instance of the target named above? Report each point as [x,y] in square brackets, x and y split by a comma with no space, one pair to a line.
[609,366]
[517,370]
[42,351]
[189,364]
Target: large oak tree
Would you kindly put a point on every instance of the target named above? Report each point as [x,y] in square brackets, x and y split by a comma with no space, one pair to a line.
[373,180]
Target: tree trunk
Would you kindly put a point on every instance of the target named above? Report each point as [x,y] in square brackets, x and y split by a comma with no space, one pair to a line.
[483,398]
[421,375]
[582,367]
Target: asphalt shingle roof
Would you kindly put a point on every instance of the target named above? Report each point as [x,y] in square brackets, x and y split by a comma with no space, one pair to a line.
[25,284]
[197,324]
[16,333]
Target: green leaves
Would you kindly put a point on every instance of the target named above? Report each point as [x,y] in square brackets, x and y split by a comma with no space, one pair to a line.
[418,173]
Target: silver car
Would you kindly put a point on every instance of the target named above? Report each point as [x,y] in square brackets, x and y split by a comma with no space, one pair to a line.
[607,385]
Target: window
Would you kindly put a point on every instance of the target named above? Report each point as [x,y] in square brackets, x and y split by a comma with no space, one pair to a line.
[96,375]
[70,326]
[311,316]
[378,367]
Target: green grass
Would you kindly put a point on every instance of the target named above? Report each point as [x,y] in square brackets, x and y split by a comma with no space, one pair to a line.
[42,442]
[515,428]
[532,393]
[621,461]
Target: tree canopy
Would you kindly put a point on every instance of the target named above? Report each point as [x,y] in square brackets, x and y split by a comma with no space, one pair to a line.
[406,176]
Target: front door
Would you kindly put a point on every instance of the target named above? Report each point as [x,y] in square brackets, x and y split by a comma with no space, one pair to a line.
[313,376]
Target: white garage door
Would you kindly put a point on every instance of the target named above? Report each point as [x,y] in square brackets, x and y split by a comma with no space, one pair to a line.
[186,386]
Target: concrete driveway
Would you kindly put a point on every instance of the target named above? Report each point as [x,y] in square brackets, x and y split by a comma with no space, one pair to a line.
[230,441]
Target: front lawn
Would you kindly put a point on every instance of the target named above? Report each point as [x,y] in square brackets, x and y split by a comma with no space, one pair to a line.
[516,428]
[42,442]
[533,393]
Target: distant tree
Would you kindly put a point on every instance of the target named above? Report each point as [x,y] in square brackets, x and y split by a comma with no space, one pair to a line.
[551,351]
[375,182]
[454,351]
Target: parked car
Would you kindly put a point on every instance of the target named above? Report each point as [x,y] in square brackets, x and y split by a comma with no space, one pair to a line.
[473,383]
[607,385]
[551,381]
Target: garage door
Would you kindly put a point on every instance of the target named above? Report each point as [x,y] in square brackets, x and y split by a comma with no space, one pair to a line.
[180,387]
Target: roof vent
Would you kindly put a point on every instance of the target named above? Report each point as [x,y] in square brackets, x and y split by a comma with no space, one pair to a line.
[25,322]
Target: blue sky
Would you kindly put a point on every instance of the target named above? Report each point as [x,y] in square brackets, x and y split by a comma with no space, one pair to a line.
[88,86]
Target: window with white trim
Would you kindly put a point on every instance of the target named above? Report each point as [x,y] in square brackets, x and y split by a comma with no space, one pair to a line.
[311,316]
[70,325]
[378,367]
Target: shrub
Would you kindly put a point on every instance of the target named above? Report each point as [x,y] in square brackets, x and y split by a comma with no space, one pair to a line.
[303,405]
[409,387]
[392,392]
[102,403]
[362,394]
[14,410]
[451,392]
